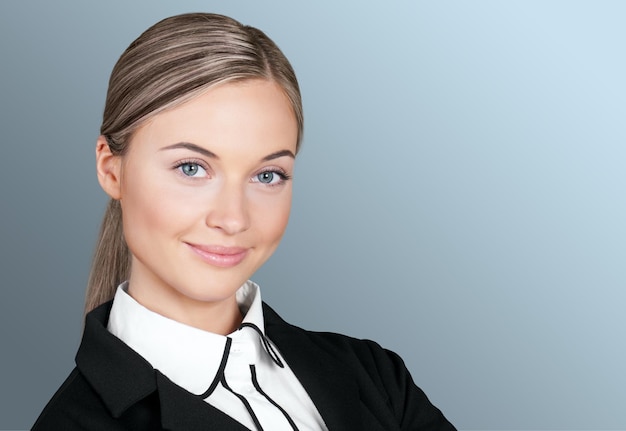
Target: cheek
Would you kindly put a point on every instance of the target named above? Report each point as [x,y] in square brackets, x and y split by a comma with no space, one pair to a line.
[149,211]
[273,218]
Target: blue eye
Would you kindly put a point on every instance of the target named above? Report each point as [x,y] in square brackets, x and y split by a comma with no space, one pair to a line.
[192,169]
[266,177]
[271,177]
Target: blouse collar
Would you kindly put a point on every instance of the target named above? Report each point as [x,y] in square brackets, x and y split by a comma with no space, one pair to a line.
[190,357]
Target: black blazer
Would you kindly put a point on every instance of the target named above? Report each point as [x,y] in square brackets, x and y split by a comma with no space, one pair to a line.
[355,385]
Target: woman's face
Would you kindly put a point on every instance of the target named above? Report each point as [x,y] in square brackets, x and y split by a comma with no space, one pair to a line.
[205,192]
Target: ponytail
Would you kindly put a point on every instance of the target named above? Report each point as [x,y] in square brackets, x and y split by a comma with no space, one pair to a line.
[111,261]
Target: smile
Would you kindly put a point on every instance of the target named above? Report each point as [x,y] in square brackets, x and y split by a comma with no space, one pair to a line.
[224,257]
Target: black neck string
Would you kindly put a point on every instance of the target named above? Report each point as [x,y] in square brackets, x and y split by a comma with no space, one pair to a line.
[246,404]
[255,382]
[266,344]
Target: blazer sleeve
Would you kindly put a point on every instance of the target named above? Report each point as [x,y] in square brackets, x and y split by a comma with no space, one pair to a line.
[410,405]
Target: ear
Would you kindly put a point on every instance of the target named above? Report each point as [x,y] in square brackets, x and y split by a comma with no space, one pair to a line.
[109,169]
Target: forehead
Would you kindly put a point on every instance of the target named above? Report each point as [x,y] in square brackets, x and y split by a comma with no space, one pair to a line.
[256,113]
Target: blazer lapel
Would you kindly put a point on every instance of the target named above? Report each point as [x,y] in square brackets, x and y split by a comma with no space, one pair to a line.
[183,411]
[122,378]
[328,381]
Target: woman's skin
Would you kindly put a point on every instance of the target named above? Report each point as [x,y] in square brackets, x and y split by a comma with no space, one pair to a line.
[205,190]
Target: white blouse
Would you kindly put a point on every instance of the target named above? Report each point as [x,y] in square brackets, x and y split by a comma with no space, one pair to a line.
[241,374]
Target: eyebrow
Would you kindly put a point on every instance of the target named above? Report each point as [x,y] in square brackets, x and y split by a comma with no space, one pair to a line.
[207,153]
[277,154]
[192,147]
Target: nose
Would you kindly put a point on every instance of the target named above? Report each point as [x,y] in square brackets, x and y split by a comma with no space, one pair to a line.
[229,211]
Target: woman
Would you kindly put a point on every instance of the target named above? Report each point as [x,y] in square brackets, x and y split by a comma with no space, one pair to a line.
[202,122]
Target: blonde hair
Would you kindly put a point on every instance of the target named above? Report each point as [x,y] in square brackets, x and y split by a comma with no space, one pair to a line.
[173,61]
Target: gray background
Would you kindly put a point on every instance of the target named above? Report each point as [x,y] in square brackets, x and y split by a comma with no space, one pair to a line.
[459,196]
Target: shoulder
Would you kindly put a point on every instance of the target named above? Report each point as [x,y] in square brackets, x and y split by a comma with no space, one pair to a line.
[382,379]
[97,394]
[344,348]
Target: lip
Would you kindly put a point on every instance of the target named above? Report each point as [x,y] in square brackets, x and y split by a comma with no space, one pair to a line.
[218,255]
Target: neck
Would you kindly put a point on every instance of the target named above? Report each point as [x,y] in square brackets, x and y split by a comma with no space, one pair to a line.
[219,317]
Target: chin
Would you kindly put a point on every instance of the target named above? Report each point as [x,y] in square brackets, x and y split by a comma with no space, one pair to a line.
[210,292]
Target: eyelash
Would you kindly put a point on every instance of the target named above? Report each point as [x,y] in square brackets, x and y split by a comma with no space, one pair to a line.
[284,176]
